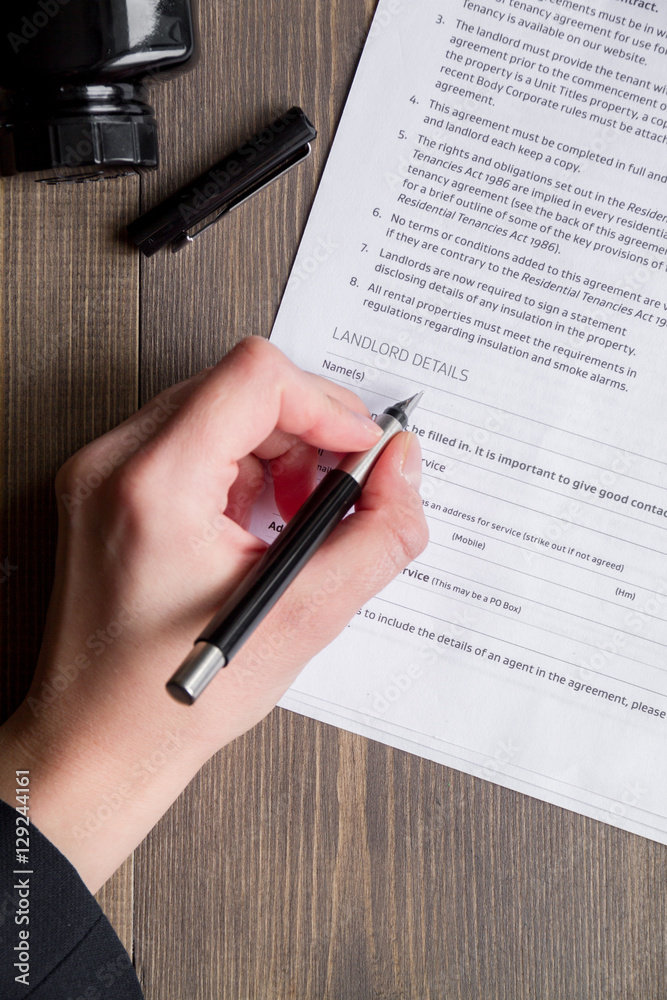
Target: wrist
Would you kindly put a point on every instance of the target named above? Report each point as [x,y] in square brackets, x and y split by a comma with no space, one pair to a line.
[95,797]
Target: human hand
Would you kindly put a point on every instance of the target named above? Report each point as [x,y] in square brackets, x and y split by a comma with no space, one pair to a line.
[152,539]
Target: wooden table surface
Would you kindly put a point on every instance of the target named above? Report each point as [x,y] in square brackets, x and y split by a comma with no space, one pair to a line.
[302,862]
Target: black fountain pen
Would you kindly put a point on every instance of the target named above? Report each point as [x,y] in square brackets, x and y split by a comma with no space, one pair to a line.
[285,557]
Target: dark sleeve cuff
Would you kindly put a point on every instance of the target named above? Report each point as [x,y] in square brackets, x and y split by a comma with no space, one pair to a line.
[71,949]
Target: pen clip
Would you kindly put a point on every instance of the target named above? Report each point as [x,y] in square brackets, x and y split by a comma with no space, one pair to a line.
[185,237]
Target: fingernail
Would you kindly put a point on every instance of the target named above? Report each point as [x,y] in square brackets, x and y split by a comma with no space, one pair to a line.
[368,423]
[411,462]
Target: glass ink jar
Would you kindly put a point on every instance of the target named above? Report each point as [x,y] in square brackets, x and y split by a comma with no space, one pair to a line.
[74,76]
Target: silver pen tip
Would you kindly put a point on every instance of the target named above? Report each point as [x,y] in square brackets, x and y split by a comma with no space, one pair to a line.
[408,405]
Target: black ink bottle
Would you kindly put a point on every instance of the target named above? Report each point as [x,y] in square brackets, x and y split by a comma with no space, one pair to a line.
[74,75]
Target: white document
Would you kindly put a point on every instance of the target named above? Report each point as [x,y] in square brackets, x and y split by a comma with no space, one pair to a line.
[491,227]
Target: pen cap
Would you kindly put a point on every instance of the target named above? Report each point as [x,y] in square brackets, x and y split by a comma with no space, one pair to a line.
[74,74]
[251,166]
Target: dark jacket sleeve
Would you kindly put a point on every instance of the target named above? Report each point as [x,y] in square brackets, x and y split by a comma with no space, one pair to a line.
[70,950]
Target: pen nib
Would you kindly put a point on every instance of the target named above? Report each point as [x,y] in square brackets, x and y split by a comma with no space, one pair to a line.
[408,405]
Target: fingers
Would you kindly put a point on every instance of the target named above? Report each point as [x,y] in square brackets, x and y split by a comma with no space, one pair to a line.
[183,446]
[112,449]
[252,393]
[141,426]
[293,474]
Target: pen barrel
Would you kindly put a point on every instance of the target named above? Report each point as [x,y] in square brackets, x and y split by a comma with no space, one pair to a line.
[310,526]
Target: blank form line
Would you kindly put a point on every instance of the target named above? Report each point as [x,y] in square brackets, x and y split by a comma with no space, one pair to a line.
[521,441]
[529,600]
[540,628]
[550,451]
[523,482]
[542,579]
[541,513]
[543,555]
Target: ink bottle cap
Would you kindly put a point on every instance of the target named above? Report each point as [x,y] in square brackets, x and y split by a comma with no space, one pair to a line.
[75,74]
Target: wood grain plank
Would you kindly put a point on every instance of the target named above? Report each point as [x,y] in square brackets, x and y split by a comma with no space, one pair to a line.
[116,897]
[69,359]
[69,329]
